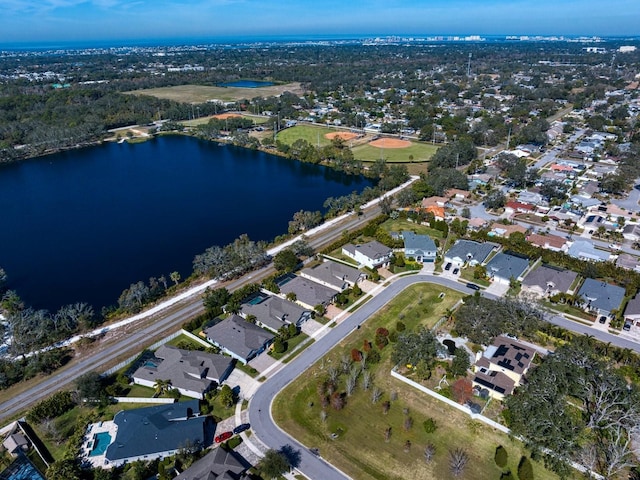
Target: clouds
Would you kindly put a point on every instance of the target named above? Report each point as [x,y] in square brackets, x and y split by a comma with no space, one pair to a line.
[41,20]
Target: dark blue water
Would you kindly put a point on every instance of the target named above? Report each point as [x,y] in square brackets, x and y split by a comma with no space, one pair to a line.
[83,225]
[246,84]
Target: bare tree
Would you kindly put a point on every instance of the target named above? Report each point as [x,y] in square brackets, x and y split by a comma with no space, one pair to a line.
[350,384]
[429,452]
[407,446]
[323,415]
[387,434]
[408,423]
[366,379]
[385,407]
[345,363]
[458,460]
[363,360]
[376,394]
[333,374]
[618,452]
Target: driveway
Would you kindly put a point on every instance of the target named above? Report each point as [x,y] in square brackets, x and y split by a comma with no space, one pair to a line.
[242,381]
[263,361]
[310,327]
[498,289]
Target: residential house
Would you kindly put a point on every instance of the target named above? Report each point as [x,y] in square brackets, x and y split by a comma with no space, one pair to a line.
[632,310]
[548,241]
[531,198]
[372,254]
[334,275]
[308,293]
[191,372]
[475,223]
[584,250]
[273,312]
[438,213]
[631,232]
[155,432]
[584,201]
[548,281]
[420,247]
[239,338]
[435,202]
[628,262]
[457,194]
[505,231]
[516,207]
[502,366]
[16,443]
[600,297]
[503,267]
[468,251]
[219,464]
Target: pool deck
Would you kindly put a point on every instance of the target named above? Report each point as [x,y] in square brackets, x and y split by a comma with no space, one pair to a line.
[88,443]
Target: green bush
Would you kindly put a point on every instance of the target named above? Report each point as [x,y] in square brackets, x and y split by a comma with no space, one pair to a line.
[501,457]
[430,425]
[525,469]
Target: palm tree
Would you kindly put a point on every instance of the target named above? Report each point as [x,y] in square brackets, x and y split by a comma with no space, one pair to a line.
[175,277]
[162,386]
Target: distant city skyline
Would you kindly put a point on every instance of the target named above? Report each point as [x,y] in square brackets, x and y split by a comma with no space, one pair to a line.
[26,21]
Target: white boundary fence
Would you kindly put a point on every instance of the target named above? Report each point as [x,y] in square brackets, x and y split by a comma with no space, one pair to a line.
[143,400]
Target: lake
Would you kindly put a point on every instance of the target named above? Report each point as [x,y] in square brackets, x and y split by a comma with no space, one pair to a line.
[82,225]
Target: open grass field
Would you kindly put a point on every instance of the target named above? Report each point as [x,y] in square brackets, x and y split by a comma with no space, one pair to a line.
[257,119]
[399,224]
[359,447]
[203,93]
[312,134]
[421,152]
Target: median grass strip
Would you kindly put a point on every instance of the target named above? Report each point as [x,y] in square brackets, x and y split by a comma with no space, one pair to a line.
[357,439]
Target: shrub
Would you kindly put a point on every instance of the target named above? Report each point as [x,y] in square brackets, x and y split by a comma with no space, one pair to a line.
[400,326]
[382,331]
[356,355]
[525,469]
[429,425]
[501,457]
[366,345]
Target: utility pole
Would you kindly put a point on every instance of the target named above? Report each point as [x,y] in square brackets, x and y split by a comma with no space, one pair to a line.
[469,65]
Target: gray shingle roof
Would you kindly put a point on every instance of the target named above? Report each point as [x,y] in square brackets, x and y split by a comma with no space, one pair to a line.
[470,250]
[418,244]
[275,312]
[560,279]
[601,295]
[218,464]
[373,250]
[308,292]
[633,306]
[333,273]
[239,336]
[507,266]
[186,369]
[150,430]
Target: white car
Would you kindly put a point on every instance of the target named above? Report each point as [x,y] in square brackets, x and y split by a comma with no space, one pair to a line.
[613,246]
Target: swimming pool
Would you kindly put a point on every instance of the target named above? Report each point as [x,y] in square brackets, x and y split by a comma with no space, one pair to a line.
[100,443]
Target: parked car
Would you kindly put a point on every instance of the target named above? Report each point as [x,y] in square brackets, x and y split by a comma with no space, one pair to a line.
[456,270]
[448,266]
[627,326]
[223,436]
[241,428]
[602,319]
[473,286]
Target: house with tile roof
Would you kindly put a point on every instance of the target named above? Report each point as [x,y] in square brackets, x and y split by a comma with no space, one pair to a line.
[420,247]
[191,372]
[155,432]
[239,338]
[502,366]
[548,241]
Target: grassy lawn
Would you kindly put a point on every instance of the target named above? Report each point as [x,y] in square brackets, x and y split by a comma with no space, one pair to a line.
[359,447]
[568,309]
[399,224]
[313,134]
[298,351]
[203,93]
[421,152]
[291,344]
[257,119]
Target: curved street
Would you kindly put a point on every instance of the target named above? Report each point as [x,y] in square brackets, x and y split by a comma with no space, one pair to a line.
[312,466]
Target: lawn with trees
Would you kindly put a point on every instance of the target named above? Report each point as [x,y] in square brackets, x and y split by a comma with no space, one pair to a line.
[372,426]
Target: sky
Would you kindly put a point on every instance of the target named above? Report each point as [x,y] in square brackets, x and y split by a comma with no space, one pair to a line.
[42,21]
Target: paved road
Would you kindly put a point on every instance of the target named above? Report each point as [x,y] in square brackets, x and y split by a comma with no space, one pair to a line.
[310,465]
[263,425]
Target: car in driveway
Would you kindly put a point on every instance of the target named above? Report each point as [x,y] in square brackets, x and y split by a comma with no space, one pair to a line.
[602,319]
[448,266]
[223,436]
[241,428]
[456,270]
[627,326]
